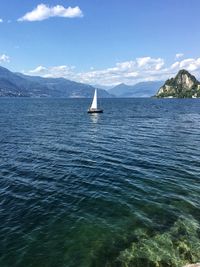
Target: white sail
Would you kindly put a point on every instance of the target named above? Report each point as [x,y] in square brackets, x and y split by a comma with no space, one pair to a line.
[94,102]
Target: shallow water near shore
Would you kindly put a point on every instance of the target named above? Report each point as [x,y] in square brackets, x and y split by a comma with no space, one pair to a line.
[82,190]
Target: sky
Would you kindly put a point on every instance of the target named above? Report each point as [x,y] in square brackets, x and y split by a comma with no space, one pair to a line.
[102,42]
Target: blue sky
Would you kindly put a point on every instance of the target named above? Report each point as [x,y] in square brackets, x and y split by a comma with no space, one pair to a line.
[100,41]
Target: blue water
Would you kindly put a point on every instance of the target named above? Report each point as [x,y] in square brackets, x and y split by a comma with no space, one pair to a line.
[74,185]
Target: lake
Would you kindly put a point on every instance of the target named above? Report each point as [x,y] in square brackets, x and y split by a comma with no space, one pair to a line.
[79,190]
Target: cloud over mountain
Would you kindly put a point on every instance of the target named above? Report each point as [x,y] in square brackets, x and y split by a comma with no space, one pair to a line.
[4,58]
[129,72]
[191,64]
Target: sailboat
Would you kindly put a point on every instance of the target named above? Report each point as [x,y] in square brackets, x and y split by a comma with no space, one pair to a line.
[94,108]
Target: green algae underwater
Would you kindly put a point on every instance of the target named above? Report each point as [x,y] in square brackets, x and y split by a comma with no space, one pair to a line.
[176,247]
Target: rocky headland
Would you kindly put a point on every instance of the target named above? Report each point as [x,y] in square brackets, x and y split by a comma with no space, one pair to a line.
[184,85]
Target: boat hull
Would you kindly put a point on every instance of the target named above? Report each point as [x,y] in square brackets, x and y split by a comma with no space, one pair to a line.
[95,110]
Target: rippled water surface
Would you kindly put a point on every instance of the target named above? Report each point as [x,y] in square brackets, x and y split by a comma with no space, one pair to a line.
[73,186]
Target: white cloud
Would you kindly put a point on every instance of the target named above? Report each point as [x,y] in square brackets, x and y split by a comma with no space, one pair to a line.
[129,72]
[149,63]
[38,71]
[54,72]
[1,20]
[42,12]
[179,55]
[190,64]
[4,58]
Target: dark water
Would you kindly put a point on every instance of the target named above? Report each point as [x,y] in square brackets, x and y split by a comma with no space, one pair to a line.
[73,186]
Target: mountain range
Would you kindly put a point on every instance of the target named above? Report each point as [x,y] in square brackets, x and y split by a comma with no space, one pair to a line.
[20,85]
[14,84]
[142,89]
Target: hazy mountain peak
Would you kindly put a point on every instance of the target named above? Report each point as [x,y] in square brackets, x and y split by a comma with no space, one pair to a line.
[141,89]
